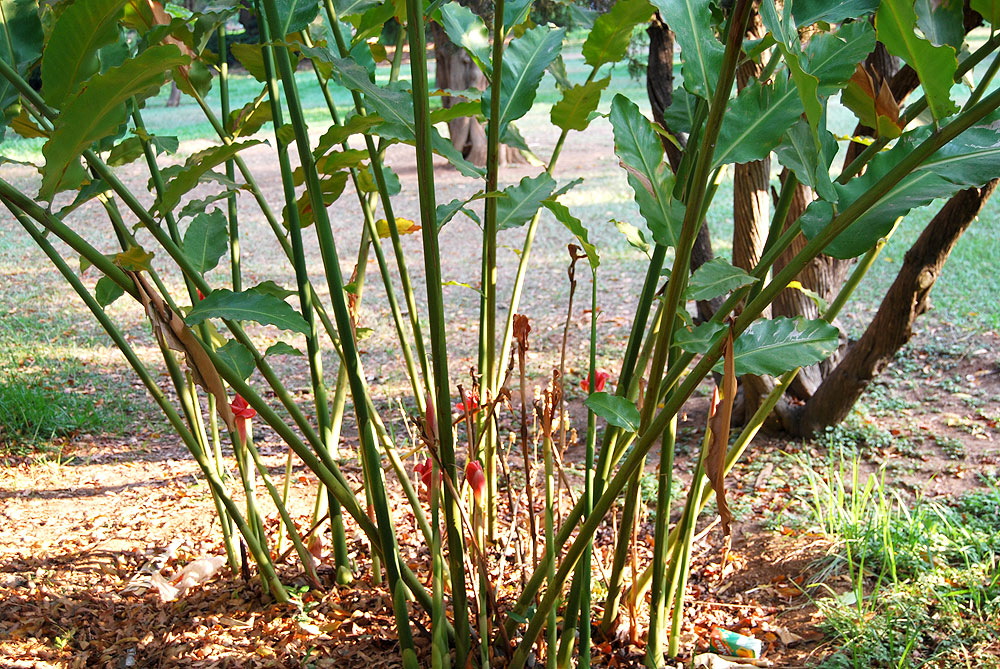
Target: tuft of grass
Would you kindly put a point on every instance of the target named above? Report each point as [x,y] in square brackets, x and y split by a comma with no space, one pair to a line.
[925,577]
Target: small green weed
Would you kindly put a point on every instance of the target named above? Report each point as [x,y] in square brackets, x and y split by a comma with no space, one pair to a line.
[925,577]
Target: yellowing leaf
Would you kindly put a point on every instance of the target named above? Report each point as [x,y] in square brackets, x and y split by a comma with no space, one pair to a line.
[134,260]
[404,225]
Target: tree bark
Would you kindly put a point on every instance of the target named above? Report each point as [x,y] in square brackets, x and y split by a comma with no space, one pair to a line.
[454,70]
[892,327]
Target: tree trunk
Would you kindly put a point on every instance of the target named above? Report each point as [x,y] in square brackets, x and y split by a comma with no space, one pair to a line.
[175,95]
[892,327]
[455,71]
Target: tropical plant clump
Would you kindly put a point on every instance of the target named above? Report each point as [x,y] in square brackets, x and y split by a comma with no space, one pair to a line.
[99,62]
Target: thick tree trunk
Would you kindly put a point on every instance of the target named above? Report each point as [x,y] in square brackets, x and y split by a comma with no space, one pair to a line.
[455,71]
[751,182]
[174,100]
[892,327]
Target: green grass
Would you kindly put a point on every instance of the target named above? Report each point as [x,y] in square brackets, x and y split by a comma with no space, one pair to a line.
[925,578]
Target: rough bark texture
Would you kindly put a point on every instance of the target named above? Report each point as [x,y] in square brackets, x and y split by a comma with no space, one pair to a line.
[892,327]
[751,182]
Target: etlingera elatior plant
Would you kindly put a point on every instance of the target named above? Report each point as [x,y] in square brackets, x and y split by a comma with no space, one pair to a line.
[101,62]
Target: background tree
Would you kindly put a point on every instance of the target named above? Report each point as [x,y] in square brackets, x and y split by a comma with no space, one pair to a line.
[823,394]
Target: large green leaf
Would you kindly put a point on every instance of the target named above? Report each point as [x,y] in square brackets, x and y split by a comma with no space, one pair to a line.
[70,56]
[797,151]
[515,12]
[971,159]
[701,51]
[524,63]
[294,15]
[195,166]
[701,338]
[346,8]
[783,31]
[779,345]
[716,277]
[206,240]
[990,10]
[639,149]
[248,305]
[519,203]
[20,45]
[394,106]
[808,12]
[941,21]
[107,291]
[467,30]
[575,226]
[100,109]
[238,357]
[573,111]
[755,121]
[609,38]
[832,57]
[616,410]
[679,116]
[935,65]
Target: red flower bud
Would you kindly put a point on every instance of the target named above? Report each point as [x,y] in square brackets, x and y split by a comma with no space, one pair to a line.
[602,378]
[201,295]
[476,479]
[470,406]
[243,413]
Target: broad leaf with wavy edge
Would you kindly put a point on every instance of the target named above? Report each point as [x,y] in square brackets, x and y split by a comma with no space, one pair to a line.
[716,277]
[100,109]
[518,203]
[70,56]
[206,240]
[295,15]
[755,121]
[465,29]
[248,305]
[701,51]
[573,111]
[524,63]
[20,44]
[608,40]
[781,344]
[616,410]
[638,147]
[832,57]
[935,65]
[972,159]
[808,12]
[196,166]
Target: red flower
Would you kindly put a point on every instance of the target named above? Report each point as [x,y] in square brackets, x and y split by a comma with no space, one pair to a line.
[602,378]
[476,479]
[470,406]
[425,470]
[243,412]
[201,295]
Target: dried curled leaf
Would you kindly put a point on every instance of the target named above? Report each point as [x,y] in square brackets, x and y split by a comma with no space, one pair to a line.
[715,461]
[172,332]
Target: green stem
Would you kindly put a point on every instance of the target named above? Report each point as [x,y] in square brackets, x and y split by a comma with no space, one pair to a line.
[435,307]
[234,225]
[306,298]
[335,281]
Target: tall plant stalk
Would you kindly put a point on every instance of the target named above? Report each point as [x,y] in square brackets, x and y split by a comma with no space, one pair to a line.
[435,308]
